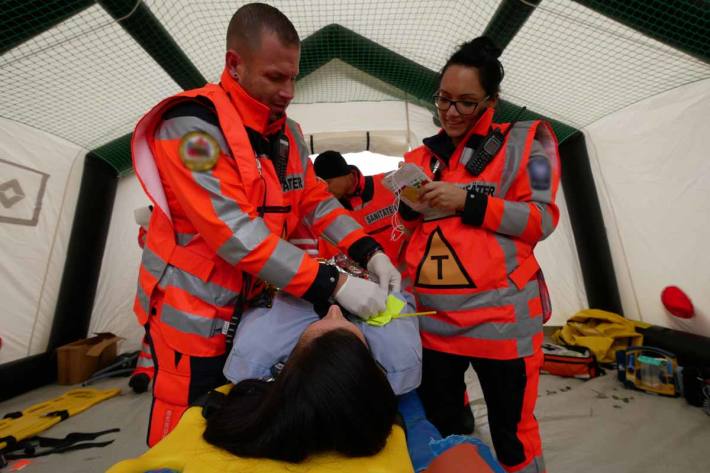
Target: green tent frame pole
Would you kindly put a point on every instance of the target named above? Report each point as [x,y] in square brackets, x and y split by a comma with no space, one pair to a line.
[24,19]
[144,27]
[587,223]
[337,42]
[508,19]
[683,24]
[87,242]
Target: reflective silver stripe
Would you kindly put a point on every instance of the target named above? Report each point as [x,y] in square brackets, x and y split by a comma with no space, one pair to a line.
[153,263]
[303,241]
[207,291]
[339,228]
[303,150]
[143,299]
[210,183]
[247,233]
[189,323]
[466,155]
[509,251]
[485,331]
[515,218]
[282,265]
[437,214]
[526,326]
[183,239]
[461,302]
[521,330]
[243,242]
[537,465]
[323,208]
[176,128]
[144,362]
[548,225]
[514,148]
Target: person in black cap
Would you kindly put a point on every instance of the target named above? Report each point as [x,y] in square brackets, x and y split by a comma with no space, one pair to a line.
[340,176]
[368,200]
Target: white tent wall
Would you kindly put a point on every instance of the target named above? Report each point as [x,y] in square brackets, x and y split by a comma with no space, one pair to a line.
[412,122]
[35,226]
[116,289]
[558,259]
[651,167]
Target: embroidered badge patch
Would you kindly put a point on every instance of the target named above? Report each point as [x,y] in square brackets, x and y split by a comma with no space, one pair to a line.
[540,173]
[199,151]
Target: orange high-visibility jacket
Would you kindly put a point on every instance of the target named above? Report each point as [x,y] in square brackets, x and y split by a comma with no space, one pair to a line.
[214,221]
[477,270]
[373,206]
[303,237]
[144,364]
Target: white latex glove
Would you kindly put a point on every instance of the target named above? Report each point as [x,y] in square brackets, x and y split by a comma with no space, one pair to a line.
[361,297]
[383,272]
[142,216]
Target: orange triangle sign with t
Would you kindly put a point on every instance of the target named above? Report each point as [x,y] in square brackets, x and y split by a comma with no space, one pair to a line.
[441,267]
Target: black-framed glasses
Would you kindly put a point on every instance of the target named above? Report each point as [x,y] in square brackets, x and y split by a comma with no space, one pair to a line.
[464,107]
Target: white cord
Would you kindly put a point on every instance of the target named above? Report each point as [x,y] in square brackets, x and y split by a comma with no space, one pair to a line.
[398,230]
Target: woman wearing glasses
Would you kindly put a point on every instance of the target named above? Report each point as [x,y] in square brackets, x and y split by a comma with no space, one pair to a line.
[470,256]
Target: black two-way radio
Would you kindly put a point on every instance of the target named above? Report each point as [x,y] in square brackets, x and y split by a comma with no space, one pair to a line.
[489,147]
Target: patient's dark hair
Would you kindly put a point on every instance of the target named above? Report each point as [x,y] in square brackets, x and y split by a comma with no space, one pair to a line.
[330,396]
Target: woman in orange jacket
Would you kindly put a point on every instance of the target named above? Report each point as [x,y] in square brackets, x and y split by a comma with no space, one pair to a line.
[490,200]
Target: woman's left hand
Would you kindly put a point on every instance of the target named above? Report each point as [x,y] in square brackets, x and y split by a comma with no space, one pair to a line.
[444,196]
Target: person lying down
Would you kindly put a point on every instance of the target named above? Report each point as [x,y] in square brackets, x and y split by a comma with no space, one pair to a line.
[266,336]
[328,406]
[333,386]
[330,409]
[331,395]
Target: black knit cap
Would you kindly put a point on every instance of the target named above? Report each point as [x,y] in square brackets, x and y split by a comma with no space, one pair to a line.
[330,164]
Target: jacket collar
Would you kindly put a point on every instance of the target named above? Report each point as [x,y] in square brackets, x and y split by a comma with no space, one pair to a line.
[254,114]
[359,180]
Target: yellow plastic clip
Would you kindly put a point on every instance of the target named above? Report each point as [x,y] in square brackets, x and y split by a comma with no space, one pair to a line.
[393,311]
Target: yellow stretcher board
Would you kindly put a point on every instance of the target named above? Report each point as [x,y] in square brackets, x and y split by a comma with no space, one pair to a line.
[40,417]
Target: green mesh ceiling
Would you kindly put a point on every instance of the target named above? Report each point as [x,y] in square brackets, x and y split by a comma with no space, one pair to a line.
[577,65]
[86,71]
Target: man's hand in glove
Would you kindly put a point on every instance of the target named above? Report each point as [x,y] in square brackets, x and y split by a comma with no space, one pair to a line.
[361,297]
[383,272]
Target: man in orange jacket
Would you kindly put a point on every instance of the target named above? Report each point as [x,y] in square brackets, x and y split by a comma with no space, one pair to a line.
[369,201]
[229,178]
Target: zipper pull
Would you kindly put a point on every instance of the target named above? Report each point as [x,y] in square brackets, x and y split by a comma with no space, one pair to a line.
[258,165]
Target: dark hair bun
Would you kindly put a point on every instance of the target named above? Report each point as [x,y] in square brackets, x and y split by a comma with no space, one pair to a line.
[481,53]
[484,46]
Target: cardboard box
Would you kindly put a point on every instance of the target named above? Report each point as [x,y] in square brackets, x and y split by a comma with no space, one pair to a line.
[77,361]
